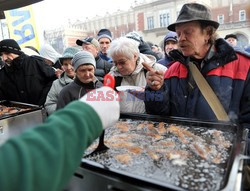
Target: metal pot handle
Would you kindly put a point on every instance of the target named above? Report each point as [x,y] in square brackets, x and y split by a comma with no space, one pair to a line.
[235,177]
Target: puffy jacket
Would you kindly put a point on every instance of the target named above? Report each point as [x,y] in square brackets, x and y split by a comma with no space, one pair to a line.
[102,67]
[27,80]
[226,71]
[128,102]
[57,86]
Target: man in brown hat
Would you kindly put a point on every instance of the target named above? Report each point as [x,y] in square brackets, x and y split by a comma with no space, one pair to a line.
[201,52]
[225,70]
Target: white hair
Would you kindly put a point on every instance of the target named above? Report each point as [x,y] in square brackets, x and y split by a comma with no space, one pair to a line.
[124,46]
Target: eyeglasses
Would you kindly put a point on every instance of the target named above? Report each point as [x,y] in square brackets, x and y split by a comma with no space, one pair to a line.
[120,62]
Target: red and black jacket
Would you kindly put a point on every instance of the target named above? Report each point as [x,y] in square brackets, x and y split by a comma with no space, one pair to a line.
[227,72]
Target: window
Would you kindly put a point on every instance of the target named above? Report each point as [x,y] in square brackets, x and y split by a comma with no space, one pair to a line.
[150,22]
[242,15]
[164,19]
[168,19]
[220,19]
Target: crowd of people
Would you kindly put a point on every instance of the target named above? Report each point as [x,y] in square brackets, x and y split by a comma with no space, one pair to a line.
[61,83]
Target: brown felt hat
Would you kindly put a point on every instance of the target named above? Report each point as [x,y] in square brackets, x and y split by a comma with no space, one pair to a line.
[194,12]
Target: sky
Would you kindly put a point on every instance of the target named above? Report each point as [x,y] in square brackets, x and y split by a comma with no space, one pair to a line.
[52,13]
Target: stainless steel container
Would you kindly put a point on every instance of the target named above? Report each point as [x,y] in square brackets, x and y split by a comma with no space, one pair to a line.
[14,124]
[110,177]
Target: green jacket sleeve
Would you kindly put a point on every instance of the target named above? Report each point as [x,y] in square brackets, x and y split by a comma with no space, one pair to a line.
[45,157]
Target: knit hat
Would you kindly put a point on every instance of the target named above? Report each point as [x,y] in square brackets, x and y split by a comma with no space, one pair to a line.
[231,36]
[69,53]
[135,36]
[194,12]
[104,33]
[83,58]
[171,36]
[10,46]
[88,40]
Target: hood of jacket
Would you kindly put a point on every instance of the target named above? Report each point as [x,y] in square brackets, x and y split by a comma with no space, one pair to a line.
[48,52]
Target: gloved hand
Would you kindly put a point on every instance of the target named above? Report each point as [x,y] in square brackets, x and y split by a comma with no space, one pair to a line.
[107,106]
[176,55]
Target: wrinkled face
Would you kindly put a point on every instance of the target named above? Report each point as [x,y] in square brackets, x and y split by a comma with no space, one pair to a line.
[170,45]
[8,57]
[90,48]
[124,65]
[104,45]
[192,40]
[68,68]
[85,73]
[232,41]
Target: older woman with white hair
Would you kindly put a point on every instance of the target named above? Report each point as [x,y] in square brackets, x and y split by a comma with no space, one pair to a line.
[129,70]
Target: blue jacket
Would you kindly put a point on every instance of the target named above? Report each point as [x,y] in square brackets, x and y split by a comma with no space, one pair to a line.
[166,61]
[226,71]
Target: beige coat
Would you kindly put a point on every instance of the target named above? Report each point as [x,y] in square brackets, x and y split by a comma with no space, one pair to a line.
[130,103]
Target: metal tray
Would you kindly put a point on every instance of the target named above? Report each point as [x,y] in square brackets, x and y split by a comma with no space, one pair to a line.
[18,105]
[116,179]
[14,124]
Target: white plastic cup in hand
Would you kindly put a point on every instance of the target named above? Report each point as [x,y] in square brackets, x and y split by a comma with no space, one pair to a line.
[105,101]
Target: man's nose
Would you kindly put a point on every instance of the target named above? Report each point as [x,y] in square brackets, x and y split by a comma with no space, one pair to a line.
[181,37]
[88,73]
[4,57]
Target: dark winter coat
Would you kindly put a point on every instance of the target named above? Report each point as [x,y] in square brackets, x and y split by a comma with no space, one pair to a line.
[74,91]
[226,71]
[102,67]
[166,61]
[27,80]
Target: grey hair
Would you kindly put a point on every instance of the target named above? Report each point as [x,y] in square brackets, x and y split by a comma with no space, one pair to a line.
[124,46]
[211,31]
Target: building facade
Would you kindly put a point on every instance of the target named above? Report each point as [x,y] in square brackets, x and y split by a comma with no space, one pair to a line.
[150,18]
[63,37]
[233,17]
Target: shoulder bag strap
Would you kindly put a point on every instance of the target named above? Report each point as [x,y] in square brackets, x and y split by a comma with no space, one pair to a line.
[208,93]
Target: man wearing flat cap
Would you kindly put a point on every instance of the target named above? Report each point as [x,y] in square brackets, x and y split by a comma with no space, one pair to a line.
[225,70]
[91,45]
[24,78]
[84,65]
